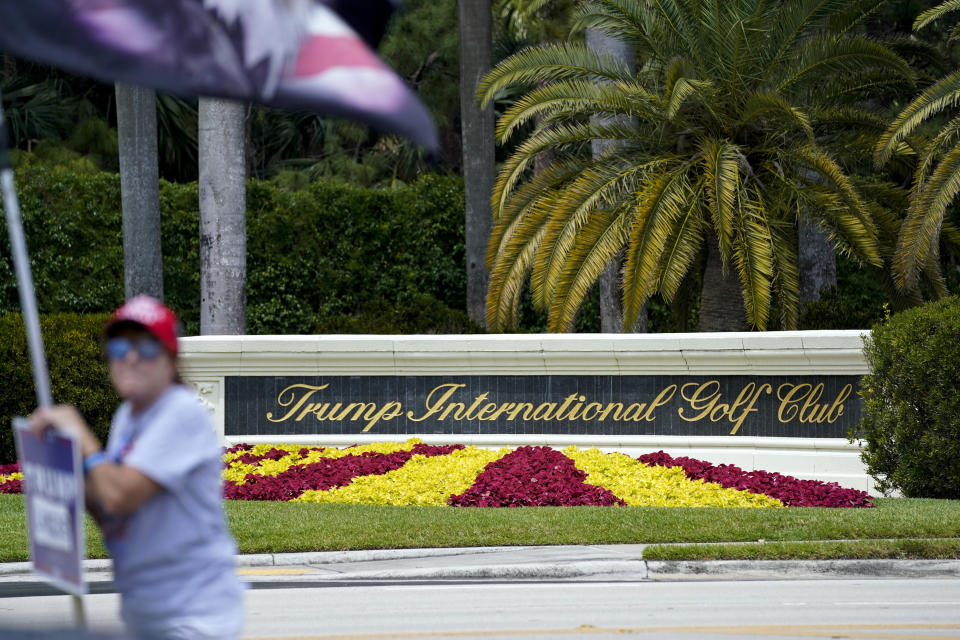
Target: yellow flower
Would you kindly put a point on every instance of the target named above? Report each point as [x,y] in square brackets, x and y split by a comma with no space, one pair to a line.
[421,481]
[641,485]
[237,471]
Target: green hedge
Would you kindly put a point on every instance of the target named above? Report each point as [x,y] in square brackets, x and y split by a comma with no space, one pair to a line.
[331,255]
[78,374]
[911,423]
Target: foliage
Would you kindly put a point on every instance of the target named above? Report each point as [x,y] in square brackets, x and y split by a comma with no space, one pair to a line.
[78,373]
[329,257]
[719,137]
[911,419]
[919,135]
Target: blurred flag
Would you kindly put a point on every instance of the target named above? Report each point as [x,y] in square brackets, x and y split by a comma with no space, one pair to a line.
[310,55]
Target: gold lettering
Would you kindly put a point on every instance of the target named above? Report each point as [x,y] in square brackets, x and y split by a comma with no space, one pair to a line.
[575,411]
[593,406]
[291,393]
[526,407]
[701,397]
[808,412]
[436,405]
[836,409]
[615,407]
[488,409]
[745,393]
[358,409]
[506,407]
[563,407]
[387,412]
[637,408]
[453,406]
[790,395]
[665,395]
[548,407]
[471,410]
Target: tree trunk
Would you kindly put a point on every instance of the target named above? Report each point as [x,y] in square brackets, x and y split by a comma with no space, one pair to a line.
[139,191]
[721,299]
[223,223]
[476,53]
[611,312]
[816,260]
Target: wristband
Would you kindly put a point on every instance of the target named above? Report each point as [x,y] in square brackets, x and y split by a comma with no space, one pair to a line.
[93,460]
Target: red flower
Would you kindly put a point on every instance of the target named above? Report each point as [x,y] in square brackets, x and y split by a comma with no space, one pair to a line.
[533,477]
[791,491]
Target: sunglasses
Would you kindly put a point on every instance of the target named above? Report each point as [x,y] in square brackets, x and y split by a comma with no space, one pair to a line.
[147,349]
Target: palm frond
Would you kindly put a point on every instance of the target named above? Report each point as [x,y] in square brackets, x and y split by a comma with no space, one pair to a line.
[660,203]
[682,89]
[920,231]
[599,240]
[542,185]
[603,185]
[510,268]
[761,103]
[787,274]
[577,97]
[947,137]
[753,257]
[848,116]
[855,220]
[559,138]
[551,63]
[795,21]
[683,246]
[943,94]
[721,166]
[851,54]
[935,13]
[624,21]
[950,233]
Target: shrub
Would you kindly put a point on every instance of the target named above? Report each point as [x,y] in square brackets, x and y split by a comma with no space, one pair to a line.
[911,411]
[78,373]
[316,258]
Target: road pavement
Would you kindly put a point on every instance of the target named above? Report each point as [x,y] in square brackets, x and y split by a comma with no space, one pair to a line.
[547,592]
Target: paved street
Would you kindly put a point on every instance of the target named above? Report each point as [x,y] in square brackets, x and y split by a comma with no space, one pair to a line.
[828,608]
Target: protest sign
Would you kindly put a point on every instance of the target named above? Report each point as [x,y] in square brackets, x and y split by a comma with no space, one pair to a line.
[53,488]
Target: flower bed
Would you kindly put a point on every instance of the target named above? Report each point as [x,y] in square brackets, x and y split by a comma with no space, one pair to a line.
[791,491]
[11,479]
[415,473]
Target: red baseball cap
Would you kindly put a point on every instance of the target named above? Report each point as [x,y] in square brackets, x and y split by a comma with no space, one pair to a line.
[152,315]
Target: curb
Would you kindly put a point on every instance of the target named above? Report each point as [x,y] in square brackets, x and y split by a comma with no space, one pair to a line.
[625,567]
[794,569]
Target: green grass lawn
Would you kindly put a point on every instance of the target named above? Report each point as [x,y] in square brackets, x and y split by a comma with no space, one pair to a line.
[895,528]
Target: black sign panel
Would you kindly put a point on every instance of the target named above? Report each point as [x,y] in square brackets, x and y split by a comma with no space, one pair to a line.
[780,406]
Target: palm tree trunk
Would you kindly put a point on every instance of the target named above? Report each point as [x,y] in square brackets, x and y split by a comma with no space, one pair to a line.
[139,191]
[476,54]
[816,260]
[721,299]
[223,224]
[611,313]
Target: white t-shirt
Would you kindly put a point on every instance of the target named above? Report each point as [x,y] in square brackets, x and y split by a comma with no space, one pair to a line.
[174,556]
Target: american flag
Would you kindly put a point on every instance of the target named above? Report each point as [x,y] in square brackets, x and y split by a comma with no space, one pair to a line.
[293,54]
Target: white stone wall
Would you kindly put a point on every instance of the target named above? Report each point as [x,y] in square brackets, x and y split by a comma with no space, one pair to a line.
[206,360]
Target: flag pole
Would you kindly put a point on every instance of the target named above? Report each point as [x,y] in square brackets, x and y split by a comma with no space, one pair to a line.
[28,298]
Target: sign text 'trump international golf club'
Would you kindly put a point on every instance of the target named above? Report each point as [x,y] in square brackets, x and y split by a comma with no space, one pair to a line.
[798,406]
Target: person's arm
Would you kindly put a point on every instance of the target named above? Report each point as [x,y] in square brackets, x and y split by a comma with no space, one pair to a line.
[114,489]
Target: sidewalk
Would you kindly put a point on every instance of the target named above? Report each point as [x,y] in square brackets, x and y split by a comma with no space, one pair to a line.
[549,563]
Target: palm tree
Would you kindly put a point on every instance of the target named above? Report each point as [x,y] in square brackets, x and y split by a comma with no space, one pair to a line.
[936,180]
[475,23]
[139,191]
[721,152]
[223,217]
